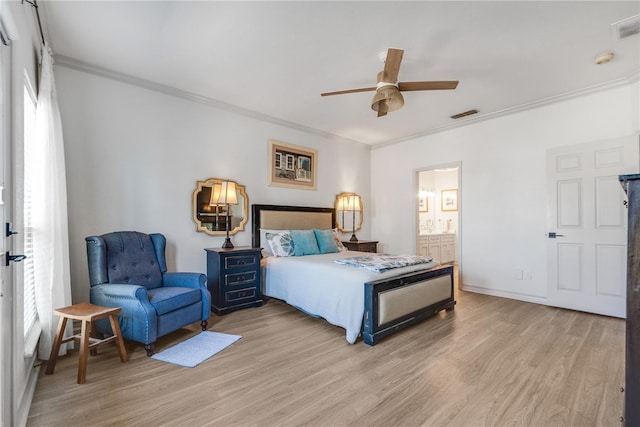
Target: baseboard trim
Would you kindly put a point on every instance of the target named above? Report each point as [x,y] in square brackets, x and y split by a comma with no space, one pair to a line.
[22,412]
[506,294]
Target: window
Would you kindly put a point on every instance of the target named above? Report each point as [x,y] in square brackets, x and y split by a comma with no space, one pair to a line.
[278,164]
[290,162]
[30,174]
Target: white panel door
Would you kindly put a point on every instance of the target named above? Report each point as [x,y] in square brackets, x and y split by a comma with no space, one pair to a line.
[587,229]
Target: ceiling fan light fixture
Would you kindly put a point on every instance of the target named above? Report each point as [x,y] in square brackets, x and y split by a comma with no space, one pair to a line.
[603,58]
[389,96]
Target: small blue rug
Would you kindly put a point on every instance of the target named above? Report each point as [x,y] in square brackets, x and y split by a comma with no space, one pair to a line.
[195,350]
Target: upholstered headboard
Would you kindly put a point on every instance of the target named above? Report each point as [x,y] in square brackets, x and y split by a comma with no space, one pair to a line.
[276,217]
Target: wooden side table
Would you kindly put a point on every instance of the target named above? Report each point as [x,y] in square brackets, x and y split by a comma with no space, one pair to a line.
[88,313]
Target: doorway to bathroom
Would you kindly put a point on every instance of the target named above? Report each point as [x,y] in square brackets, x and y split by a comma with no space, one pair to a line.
[438,208]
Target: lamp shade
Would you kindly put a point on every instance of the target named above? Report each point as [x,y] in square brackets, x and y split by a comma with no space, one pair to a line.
[354,203]
[389,97]
[215,194]
[343,202]
[228,194]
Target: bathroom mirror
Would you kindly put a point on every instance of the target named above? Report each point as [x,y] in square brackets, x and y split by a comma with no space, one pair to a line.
[348,212]
[211,217]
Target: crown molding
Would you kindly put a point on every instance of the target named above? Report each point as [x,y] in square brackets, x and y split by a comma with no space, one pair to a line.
[630,79]
[74,64]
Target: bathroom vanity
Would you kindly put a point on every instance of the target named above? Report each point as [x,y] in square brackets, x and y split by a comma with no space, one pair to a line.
[440,246]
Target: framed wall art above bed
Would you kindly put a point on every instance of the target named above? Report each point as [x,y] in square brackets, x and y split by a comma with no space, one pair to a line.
[292,166]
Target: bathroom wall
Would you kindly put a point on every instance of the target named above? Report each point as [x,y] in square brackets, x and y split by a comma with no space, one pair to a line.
[431,217]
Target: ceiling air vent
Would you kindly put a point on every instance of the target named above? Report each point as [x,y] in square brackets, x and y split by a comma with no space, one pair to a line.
[626,28]
[465,114]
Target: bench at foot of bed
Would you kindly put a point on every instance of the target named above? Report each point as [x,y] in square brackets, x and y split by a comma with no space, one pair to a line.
[399,302]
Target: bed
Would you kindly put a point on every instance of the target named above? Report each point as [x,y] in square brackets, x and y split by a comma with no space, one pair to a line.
[363,302]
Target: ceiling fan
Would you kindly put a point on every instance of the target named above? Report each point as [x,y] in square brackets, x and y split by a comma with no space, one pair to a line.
[388,97]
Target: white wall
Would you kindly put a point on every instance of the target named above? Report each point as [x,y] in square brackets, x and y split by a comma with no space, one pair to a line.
[502,190]
[134,155]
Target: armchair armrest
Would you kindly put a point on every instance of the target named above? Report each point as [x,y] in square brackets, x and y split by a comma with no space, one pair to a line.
[138,317]
[131,298]
[122,291]
[185,280]
[191,280]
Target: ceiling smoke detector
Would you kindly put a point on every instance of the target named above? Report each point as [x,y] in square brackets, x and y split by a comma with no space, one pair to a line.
[603,58]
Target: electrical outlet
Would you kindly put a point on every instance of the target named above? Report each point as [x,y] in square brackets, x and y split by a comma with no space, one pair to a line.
[518,275]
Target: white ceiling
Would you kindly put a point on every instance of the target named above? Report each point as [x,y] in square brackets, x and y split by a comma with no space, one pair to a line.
[273,59]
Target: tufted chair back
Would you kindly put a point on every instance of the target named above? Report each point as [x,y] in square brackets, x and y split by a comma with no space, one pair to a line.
[127,257]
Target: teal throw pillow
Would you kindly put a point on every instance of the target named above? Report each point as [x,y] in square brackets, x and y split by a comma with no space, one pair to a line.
[326,241]
[304,242]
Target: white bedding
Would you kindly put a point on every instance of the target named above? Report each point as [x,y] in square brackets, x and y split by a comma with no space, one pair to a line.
[318,286]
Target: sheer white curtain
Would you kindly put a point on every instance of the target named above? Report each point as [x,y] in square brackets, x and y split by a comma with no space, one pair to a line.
[51,237]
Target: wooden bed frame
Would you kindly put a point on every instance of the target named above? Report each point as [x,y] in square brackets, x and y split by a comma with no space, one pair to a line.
[390,304]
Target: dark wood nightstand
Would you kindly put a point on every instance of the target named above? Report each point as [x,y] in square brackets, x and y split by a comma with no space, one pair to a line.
[361,245]
[233,278]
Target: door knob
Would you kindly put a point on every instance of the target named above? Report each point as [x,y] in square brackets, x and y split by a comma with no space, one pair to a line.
[553,235]
[7,229]
[14,258]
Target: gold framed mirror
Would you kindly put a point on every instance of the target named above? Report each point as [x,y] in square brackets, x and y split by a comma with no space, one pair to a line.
[348,212]
[211,217]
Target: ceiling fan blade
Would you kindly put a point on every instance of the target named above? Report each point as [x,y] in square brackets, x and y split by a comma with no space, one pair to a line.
[439,85]
[392,65]
[341,92]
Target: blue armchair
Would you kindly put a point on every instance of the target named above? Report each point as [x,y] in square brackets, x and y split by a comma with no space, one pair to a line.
[128,269]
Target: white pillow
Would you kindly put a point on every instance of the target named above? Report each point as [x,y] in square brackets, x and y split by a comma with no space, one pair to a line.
[339,244]
[281,243]
[266,249]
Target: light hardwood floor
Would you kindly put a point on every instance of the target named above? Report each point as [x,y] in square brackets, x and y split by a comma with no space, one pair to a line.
[491,362]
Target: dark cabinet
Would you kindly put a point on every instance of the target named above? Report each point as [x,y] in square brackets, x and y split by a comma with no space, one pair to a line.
[631,184]
[361,245]
[233,278]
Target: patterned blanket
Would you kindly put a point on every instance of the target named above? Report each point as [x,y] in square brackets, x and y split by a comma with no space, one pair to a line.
[380,262]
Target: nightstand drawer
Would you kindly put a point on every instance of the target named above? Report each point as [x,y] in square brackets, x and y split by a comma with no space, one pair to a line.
[239,261]
[362,245]
[240,295]
[240,279]
[368,247]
